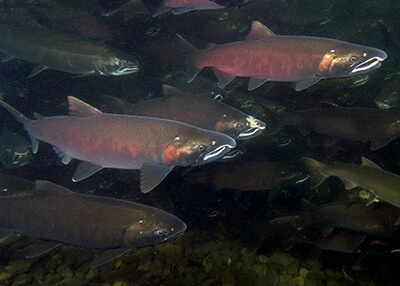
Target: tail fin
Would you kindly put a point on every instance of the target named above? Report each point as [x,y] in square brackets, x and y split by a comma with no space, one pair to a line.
[315,167]
[24,120]
[191,53]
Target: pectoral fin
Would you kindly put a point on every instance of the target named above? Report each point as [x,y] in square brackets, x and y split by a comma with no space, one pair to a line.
[84,170]
[256,82]
[42,247]
[306,83]
[108,255]
[36,70]
[379,143]
[348,184]
[6,58]
[316,171]
[326,230]
[152,174]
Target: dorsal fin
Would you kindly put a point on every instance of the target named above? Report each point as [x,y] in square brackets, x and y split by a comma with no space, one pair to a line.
[49,188]
[258,31]
[171,91]
[37,115]
[368,163]
[81,109]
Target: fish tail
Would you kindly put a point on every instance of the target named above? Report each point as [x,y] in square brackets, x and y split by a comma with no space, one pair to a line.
[191,53]
[24,120]
[315,168]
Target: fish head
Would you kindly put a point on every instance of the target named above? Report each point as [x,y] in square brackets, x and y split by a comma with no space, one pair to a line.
[242,128]
[198,147]
[154,228]
[113,63]
[349,60]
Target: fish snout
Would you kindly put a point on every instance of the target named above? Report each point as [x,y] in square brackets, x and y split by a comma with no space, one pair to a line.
[217,150]
[254,129]
[370,63]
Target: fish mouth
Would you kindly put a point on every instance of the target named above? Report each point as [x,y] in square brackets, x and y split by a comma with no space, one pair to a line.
[370,64]
[256,127]
[216,153]
[126,70]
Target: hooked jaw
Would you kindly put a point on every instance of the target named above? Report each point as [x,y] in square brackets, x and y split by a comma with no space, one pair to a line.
[255,128]
[369,64]
[128,67]
[216,152]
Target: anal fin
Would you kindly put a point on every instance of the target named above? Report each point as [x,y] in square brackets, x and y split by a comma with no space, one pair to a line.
[65,159]
[306,83]
[42,247]
[256,82]
[85,170]
[36,70]
[6,58]
[108,255]
[223,77]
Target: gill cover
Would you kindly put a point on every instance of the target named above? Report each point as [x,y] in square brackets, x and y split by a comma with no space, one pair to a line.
[357,60]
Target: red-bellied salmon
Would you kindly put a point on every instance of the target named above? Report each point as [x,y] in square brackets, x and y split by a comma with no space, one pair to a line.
[265,56]
[103,140]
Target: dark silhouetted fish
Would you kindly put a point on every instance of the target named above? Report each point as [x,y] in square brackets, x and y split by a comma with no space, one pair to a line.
[15,150]
[158,7]
[249,175]
[340,240]
[58,216]
[105,140]
[199,111]
[369,176]
[54,50]
[265,56]
[364,124]
[377,220]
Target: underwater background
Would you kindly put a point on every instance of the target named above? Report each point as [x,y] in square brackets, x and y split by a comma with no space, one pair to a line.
[226,205]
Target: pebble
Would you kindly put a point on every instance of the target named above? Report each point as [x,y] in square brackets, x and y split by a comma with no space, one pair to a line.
[65,271]
[5,276]
[303,272]
[227,279]
[93,272]
[20,266]
[263,259]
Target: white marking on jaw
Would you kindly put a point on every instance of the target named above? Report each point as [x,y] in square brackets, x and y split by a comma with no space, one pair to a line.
[216,152]
[365,66]
[247,133]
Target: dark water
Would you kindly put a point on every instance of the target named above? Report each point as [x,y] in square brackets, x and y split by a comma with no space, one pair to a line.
[229,240]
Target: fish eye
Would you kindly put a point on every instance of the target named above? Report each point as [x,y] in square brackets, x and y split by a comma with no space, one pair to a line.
[353,59]
[238,126]
[200,147]
[161,232]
